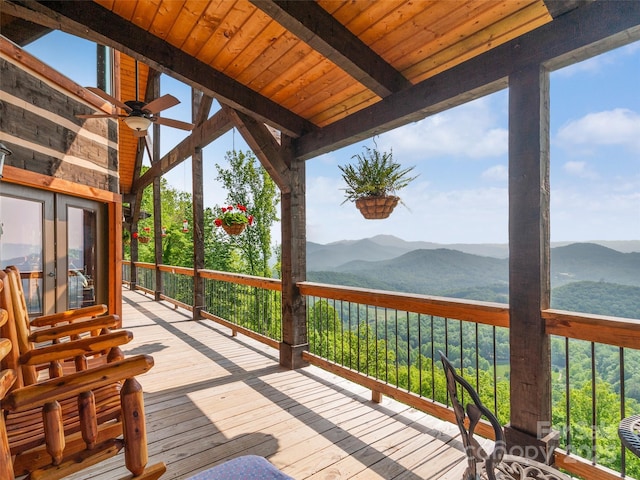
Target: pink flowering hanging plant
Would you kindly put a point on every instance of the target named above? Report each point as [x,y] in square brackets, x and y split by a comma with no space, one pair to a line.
[233,215]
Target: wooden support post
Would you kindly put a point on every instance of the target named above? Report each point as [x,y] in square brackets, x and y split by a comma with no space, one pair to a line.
[294,266]
[153,91]
[157,228]
[114,288]
[198,233]
[529,252]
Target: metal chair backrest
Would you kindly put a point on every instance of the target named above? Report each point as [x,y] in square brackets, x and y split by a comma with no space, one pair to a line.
[467,417]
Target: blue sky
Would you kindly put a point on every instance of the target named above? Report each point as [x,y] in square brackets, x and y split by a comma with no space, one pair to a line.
[461,193]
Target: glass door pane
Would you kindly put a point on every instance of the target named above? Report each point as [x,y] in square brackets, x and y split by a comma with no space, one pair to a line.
[81,256]
[25,224]
[78,247]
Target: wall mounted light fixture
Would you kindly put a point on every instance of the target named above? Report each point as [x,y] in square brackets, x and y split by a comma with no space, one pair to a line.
[4,152]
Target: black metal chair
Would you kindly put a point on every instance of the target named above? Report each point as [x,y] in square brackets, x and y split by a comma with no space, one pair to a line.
[629,432]
[497,465]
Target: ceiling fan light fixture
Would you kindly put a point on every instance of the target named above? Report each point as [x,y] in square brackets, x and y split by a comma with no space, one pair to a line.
[135,122]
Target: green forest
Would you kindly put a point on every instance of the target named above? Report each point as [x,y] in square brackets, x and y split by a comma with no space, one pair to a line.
[400,347]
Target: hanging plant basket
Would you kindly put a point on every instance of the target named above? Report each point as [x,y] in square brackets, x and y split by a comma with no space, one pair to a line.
[234,228]
[144,239]
[373,208]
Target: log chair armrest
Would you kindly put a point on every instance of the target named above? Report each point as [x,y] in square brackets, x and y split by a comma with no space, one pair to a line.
[68,316]
[75,328]
[7,379]
[75,348]
[57,389]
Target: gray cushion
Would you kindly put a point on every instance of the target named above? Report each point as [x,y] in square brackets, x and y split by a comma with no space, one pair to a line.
[241,468]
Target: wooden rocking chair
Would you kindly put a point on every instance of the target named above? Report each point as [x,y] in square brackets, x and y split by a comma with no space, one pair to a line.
[55,329]
[68,422]
[497,465]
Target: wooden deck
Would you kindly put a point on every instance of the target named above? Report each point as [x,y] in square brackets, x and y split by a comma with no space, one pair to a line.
[212,397]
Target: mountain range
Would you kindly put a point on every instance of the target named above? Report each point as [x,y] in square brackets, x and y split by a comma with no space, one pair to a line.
[322,257]
[463,270]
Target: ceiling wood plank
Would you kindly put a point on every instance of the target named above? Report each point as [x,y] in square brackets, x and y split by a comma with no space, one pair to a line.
[316,27]
[574,36]
[97,24]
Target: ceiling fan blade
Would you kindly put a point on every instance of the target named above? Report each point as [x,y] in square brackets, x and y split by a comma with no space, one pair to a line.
[98,115]
[161,103]
[109,98]
[169,122]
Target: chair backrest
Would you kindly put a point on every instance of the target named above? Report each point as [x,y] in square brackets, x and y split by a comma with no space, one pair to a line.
[14,333]
[460,391]
[53,329]
[7,379]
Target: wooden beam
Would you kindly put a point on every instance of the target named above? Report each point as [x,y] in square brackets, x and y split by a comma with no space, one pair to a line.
[293,262]
[560,7]
[201,105]
[91,21]
[264,145]
[577,35]
[529,253]
[201,136]
[315,26]
[22,32]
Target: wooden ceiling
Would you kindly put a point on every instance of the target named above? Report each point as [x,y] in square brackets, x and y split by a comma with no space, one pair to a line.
[379,47]
[328,73]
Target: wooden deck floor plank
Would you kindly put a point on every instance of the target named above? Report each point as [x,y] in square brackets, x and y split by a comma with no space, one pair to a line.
[276,435]
[405,455]
[211,397]
[345,442]
[375,452]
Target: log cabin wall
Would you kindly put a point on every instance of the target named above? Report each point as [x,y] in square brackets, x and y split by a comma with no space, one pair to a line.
[55,151]
[38,123]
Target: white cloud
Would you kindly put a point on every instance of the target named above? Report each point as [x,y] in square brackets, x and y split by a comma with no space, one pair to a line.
[498,173]
[619,127]
[579,169]
[588,215]
[599,63]
[473,130]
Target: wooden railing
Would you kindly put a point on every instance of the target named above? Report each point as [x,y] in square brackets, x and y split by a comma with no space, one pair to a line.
[360,335]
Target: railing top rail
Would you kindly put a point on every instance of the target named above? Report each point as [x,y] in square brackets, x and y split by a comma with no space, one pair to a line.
[488,313]
[620,332]
[179,270]
[250,280]
[144,265]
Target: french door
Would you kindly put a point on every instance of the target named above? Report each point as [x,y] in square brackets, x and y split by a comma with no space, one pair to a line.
[54,241]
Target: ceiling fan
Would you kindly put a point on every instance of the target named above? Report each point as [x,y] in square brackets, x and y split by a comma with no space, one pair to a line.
[139,115]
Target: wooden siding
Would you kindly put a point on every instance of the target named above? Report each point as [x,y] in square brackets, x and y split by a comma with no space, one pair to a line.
[38,123]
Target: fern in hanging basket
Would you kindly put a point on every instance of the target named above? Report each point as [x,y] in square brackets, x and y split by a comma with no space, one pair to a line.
[373,181]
